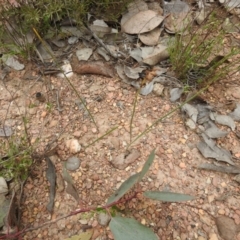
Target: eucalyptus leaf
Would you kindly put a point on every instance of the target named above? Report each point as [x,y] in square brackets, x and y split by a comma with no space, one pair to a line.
[168,196]
[130,229]
[70,189]
[133,73]
[147,165]
[128,184]
[175,94]
[136,53]
[51,177]
[223,120]
[147,89]
[236,113]
[213,131]
[203,113]
[220,168]
[209,149]
[191,111]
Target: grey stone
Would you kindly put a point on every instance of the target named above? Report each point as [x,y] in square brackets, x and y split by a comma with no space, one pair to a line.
[103,219]
[73,163]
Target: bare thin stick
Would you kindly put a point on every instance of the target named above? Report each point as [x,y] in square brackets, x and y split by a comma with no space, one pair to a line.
[105,134]
[68,80]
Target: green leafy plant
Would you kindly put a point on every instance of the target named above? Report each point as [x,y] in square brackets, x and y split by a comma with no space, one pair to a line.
[133,229]
[49,106]
[198,55]
[17,159]
[119,223]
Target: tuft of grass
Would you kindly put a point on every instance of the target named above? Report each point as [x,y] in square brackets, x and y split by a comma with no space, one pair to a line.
[17,23]
[199,54]
[17,158]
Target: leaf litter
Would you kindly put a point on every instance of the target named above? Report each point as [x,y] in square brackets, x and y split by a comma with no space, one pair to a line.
[148,33]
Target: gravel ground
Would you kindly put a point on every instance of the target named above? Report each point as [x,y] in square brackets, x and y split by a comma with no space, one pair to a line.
[111,104]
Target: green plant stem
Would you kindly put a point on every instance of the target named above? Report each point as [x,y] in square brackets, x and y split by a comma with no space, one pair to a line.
[68,80]
[82,101]
[148,129]
[133,112]
[105,134]
[89,209]
[26,131]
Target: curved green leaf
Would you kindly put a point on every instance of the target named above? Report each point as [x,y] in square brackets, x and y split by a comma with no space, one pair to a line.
[128,184]
[168,196]
[147,165]
[130,229]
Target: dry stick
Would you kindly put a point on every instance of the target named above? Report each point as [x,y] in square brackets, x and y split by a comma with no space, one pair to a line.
[26,132]
[81,99]
[100,42]
[19,202]
[69,82]
[59,107]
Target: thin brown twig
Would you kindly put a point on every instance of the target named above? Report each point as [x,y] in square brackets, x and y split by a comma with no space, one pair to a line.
[82,211]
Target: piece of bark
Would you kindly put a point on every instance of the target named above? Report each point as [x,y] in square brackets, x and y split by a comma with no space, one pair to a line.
[92,67]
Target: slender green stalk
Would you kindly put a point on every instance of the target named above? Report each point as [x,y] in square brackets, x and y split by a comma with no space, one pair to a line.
[148,129]
[133,112]
[68,80]
[101,137]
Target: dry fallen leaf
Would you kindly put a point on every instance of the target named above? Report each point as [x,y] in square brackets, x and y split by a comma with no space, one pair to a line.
[212,131]
[70,189]
[179,16]
[134,8]
[144,21]
[209,149]
[220,168]
[133,73]
[223,120]
[158,54]
[226,227]
[150,38]
[236,113]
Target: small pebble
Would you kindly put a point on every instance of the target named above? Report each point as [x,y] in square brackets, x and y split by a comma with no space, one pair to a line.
[182,165]
[44,114]
[73,163]
[103,219]
[94,130]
